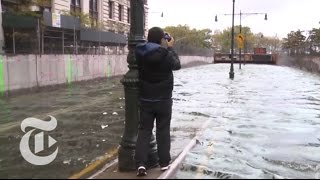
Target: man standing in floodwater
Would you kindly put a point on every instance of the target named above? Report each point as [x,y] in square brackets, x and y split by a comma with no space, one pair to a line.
[156,60]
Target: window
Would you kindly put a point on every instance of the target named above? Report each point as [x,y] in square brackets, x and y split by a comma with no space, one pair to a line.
[129,15]
[93,12]
[111,9]
[75,6]
[120,12]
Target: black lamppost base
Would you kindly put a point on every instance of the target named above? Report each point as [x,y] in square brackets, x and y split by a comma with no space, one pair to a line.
[231,75]
[126,159]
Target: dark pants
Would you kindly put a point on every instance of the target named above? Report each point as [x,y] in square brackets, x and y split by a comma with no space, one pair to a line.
[149,111]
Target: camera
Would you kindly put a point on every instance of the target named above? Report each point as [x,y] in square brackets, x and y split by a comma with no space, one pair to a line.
[167,37]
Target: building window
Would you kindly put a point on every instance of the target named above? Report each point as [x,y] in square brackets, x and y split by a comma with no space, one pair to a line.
[75,6]
[111,3]
[129,15]
[120,12]
[93,12]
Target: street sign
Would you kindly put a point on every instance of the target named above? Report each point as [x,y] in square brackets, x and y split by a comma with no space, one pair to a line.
[240,40]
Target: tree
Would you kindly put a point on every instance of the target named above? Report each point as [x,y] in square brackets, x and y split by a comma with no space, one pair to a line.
[314,40]
[295,42]
[222,40]
[189,41]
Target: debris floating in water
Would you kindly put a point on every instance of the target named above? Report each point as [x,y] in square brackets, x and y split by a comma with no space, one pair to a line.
[67,161]
[105,113]
[97,145]
[121,107]
[104,126]
[114,113]
[103,140]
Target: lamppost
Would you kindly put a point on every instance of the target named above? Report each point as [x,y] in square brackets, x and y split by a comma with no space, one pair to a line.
[130,81]
[231,73]
[157,12]
[241,14]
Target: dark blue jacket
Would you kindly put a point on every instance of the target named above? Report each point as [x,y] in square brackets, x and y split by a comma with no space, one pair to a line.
[155,65]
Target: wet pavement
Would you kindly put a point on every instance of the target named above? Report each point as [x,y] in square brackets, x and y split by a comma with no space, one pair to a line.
[264,124]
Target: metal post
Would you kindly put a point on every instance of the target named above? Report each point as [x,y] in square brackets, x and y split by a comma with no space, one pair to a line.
[14,41]
[74,37]
[99,41]
[240,48]
[231,73]
[62,41]
[130,81]
[42,41]
[38,36]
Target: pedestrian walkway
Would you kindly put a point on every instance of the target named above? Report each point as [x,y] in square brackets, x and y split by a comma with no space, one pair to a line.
[113,173]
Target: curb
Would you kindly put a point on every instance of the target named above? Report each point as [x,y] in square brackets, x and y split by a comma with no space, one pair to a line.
[95,165]
[169,174]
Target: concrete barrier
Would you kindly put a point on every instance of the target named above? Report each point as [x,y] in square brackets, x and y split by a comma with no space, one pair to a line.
[28,71]
[311,64]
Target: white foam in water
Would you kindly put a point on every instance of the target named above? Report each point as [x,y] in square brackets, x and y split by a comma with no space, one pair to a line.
[114,113]
[104,126]
[105,113]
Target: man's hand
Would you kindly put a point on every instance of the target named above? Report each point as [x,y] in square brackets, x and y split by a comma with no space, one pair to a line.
[171,42]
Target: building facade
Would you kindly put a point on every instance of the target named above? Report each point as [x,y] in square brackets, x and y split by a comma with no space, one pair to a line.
[93,23]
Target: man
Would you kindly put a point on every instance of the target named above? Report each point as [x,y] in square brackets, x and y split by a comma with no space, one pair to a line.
[156,60]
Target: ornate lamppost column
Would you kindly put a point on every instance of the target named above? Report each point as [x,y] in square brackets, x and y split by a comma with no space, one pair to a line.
[131,81]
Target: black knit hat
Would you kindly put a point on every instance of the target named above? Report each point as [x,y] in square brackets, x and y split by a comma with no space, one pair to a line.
[155,35]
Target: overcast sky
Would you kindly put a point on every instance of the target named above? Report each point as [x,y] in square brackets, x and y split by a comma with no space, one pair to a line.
[283,15]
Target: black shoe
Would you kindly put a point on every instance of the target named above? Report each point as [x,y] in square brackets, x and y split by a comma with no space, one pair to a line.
[142,171]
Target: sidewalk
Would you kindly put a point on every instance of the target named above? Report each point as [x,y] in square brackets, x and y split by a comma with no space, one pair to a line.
[113,173]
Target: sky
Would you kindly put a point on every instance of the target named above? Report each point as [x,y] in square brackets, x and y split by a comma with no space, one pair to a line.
[283,15]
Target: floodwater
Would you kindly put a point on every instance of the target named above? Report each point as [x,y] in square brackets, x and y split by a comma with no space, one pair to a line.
[263,124]
[90,122]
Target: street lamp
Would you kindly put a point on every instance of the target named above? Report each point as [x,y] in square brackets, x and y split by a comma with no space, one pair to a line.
[231,73]
[157,12]
[241,14]
[131,89]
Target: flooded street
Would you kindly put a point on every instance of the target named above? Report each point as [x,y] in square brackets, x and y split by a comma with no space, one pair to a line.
[90,122]
[263,124]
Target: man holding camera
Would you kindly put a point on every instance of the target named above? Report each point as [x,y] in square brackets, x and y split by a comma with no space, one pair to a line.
[156,60]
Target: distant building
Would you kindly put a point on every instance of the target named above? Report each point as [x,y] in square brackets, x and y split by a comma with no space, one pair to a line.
[67,26]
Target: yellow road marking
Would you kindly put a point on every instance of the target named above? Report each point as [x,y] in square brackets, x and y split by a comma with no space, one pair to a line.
[109,155]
